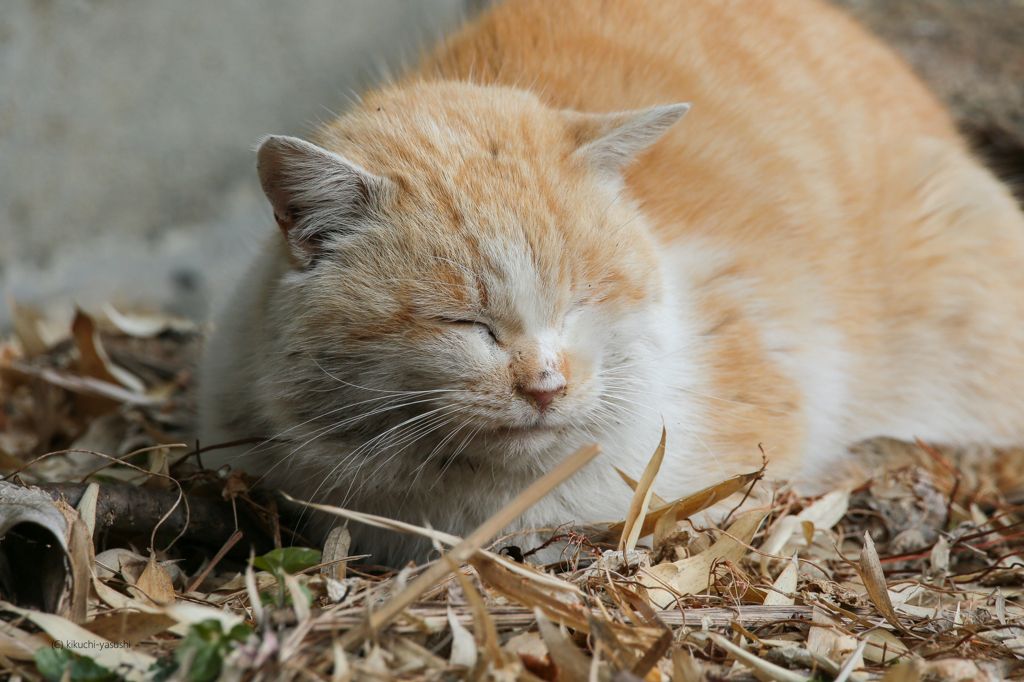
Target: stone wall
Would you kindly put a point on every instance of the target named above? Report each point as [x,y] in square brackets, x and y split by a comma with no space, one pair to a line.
[127,127]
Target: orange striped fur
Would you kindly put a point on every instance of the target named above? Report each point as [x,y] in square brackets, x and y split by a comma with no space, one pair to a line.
[518,248]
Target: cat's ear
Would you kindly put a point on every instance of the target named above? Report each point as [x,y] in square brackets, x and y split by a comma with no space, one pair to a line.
[314,192]
[607,142]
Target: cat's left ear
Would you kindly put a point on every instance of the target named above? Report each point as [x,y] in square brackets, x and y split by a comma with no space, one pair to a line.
[607,142]
[315,193]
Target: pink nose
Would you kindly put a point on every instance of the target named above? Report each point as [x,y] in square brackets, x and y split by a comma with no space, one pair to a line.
[542,398]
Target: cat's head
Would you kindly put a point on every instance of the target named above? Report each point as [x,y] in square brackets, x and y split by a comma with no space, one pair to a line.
[464,255]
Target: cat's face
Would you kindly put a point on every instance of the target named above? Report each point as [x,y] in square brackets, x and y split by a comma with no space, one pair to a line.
[483,281]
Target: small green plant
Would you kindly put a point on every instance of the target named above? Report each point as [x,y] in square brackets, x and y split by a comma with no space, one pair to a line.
[210,644]
[52,663]
[285,561]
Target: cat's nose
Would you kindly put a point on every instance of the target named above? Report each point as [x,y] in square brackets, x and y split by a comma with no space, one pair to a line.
[542,394]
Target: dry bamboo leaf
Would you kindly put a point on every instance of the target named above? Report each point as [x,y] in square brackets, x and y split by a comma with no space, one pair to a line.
[528,593]
[336,548]
[129,663]
[300,604]
[823,636]
[884,647]
[342,670]
[93,360]
[641,498]
[784,586]
[874,581]
[382,522]
[464,650]
[823,514]
[656,499]
[855,660]
[87,508]
[904,672]
[693,575]
[80,553]
[940,556]
[686,507]
[254,594]
[82,384]
[26,323]
[146,326]
[19,645]
[154,585]
[573,664]
[116,600]
[129,626]
[110,562]
[762,668]
[686,667]
[483,624]
[472,544]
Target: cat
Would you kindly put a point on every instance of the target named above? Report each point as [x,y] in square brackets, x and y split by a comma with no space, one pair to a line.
[522,246]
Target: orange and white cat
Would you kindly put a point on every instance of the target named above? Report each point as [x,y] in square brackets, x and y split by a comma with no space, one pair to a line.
[520,248]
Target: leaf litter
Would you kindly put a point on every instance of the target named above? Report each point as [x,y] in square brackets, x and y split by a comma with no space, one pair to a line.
[916,574]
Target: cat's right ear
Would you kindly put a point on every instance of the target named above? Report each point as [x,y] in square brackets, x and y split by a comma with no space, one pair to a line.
[314,193]
[608,142]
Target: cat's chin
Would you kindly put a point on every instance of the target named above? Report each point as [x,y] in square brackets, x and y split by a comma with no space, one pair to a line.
[534,436]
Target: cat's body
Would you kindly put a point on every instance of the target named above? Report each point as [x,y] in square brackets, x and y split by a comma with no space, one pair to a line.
[467,292]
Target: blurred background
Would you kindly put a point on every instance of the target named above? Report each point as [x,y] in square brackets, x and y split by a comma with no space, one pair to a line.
[127,126]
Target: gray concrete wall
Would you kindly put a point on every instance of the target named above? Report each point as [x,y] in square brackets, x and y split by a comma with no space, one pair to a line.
[127,126]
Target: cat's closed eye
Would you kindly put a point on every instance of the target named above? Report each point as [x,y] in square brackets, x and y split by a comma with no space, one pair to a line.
[476,324]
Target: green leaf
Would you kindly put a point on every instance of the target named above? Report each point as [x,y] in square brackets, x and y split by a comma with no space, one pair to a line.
[206,664]
[53,662]
[287,560]
[210,644]
[240,633]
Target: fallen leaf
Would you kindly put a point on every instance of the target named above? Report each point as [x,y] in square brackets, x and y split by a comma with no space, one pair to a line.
[154,584]
[128,626]
[93,360]
[693,575]
[641,499]
[131,664]
[874,581]
[822,515]
[884,647]
[686,507]
[336,548]
[784,586]
[463,644]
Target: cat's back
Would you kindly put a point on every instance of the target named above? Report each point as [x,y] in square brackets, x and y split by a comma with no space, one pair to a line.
[793,101]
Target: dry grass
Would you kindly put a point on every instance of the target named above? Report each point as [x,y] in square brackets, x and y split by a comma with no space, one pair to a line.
[906,577]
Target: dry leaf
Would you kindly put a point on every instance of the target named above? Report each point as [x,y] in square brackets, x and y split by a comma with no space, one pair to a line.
[130,663]
[93,360]
[884,643]
[146,326]
[463,643]
[472,544]
[641,499]
[336,548]
[693,575]
[784,585]
[762,668]
[154,585]
[686,507]
[874,581]
[822,515]
[574,665]
[128,626]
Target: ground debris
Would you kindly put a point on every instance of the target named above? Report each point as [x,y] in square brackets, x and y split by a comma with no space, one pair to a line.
[911,575]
